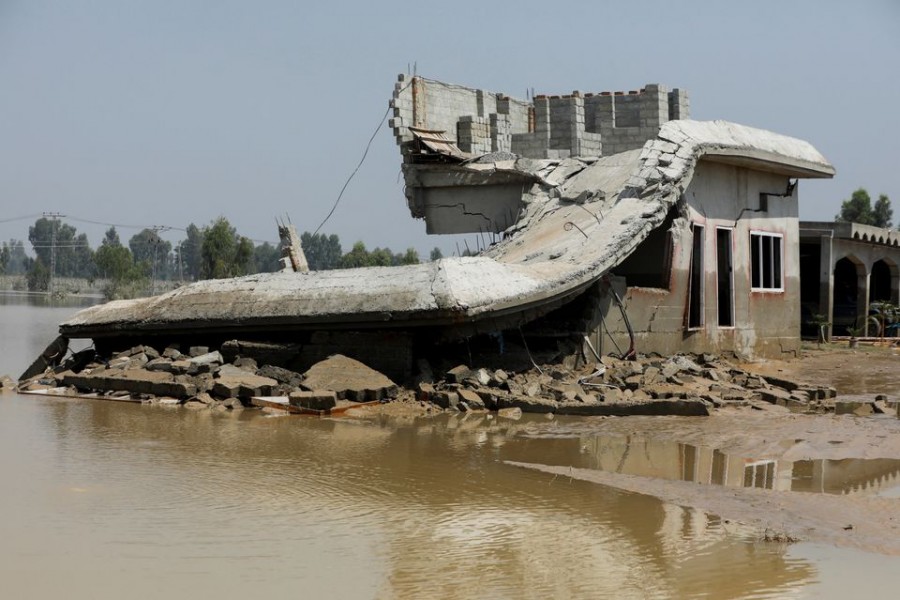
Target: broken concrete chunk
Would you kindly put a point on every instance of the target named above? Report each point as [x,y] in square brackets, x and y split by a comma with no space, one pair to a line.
[316,399]
[471,398]
[457,374]
[445,399]
[424,392]
[242,385]
[135,381]
[207,358]
[172,353]
[248,364]
[160,364]
[281,375]
[196,351]
[7,383]
[350,379]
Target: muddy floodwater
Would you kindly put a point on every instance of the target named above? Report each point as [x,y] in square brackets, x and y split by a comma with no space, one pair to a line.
[118,500]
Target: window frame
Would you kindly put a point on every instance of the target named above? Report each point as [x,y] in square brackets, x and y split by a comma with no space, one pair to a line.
[754,233]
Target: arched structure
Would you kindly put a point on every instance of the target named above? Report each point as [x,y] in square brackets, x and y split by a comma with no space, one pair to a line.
[844,268]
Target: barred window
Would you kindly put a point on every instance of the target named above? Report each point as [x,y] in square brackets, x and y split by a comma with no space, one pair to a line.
[766,260]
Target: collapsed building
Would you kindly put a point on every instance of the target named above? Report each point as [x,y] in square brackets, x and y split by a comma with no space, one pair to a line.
[616,224]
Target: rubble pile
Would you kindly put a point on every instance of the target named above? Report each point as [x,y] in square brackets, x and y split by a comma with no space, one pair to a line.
[678,385]
[203,378]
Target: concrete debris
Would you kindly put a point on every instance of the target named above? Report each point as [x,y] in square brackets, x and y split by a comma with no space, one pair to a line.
[292,257]
[7,383]
[350,379]
[316,400]
[679,385]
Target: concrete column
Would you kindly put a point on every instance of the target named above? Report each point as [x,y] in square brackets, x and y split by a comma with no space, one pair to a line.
[862,298]
[826,283]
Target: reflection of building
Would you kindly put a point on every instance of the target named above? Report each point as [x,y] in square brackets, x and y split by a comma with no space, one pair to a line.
[684,462]
[845,267]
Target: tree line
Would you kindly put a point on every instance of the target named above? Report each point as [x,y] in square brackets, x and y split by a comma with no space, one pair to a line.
[859,209]
[214,251]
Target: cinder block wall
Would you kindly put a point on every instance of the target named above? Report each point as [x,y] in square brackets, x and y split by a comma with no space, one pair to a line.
[548,127]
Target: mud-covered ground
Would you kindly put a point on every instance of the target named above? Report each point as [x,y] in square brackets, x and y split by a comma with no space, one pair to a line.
[863,371]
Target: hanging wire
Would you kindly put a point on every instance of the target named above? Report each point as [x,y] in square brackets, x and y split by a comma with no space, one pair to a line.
[361,161]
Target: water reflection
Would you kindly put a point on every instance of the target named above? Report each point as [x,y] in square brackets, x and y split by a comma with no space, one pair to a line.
[423,508]
[638,455]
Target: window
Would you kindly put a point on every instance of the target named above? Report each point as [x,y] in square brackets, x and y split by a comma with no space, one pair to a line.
[766,259]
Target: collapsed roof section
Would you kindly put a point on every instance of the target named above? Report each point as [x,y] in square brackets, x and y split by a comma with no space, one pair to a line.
[577,218]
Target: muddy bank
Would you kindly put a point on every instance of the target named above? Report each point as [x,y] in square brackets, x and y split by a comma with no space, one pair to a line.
[865,523]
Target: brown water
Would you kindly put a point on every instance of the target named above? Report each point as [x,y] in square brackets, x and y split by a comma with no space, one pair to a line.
[111,500]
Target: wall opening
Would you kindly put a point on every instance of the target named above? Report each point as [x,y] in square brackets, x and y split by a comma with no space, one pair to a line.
[846,294]
[810,286]
[724,277]
[650,265]
[695,294]
[880,282]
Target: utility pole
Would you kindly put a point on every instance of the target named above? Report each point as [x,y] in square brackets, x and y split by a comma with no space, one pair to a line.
[54,219]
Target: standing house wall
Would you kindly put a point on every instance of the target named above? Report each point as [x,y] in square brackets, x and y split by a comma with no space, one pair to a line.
[766,323]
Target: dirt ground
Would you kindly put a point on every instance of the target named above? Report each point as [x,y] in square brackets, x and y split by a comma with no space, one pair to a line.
[867,370]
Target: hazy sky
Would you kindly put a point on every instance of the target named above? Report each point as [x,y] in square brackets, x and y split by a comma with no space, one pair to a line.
[163,112]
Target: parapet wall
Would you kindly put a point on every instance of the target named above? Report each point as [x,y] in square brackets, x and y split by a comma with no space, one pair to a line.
[547,127]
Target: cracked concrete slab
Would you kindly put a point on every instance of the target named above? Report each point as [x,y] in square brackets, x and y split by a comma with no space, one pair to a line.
[555,248]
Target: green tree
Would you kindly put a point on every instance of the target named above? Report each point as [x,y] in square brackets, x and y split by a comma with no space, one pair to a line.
[17,261]
[224,253]
[858,209]
[38,277]
[381,257]
[111,238]
[436,254]
[410,257]
[59,244]
[322,251]
[357,257]
[114,262]
[266,257]
[882,213]
[125,279]
[190,251]
[151,251]
[4,258]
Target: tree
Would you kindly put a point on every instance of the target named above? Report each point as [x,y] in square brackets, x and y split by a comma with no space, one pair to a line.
[17,261]
[357,257]
[224,253]
[322,251]
[436,254]
[111,238]
[59,245]
[266,257]
[882,214]
[4,258]
[150,250]
[381,257]
[410,257]
[114,261]
[38,277]
[190,251]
